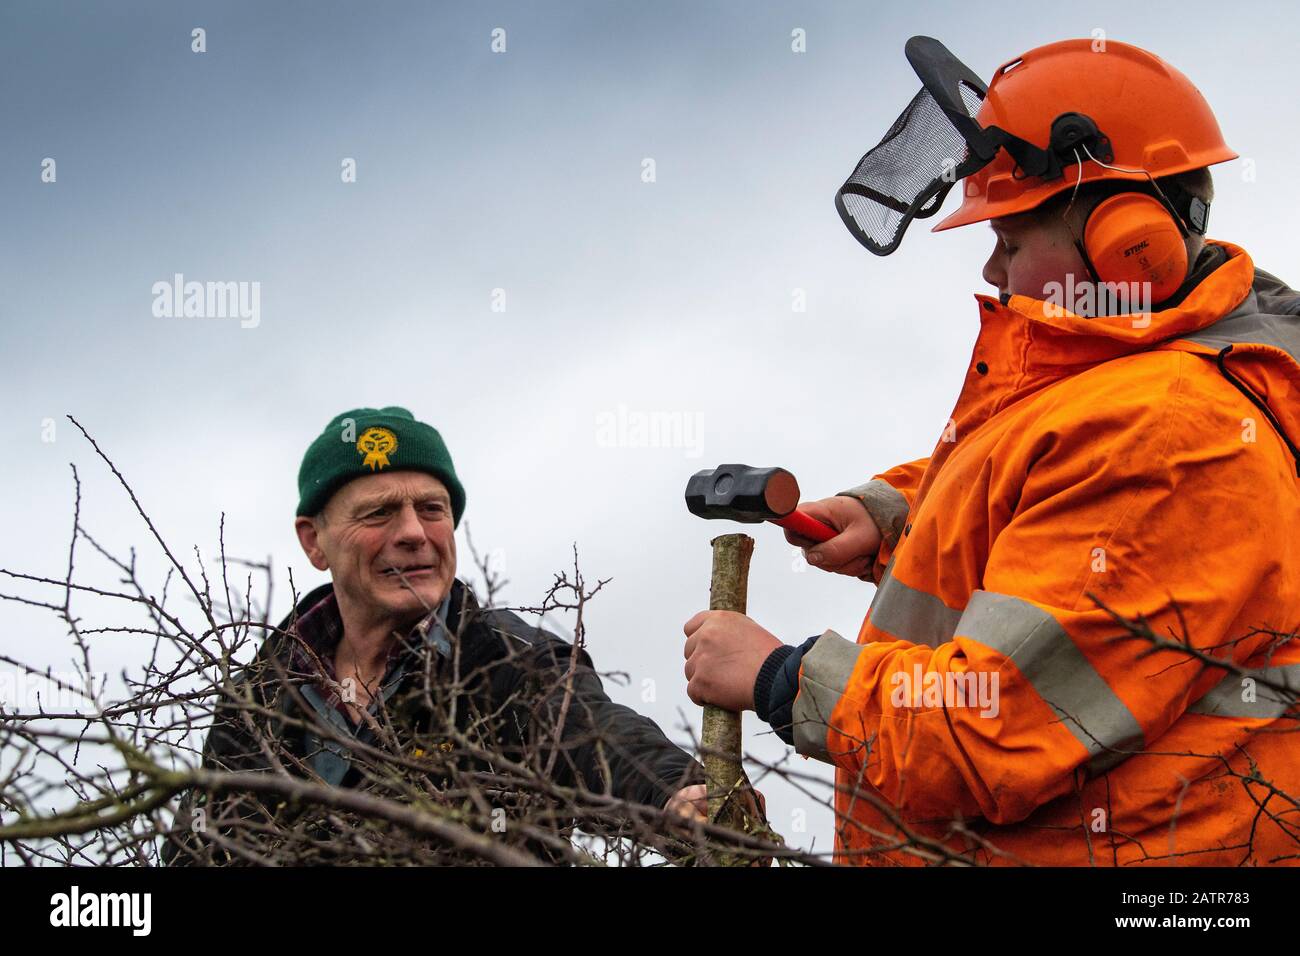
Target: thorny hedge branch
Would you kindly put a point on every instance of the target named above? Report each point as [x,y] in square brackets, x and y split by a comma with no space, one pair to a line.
[112,779]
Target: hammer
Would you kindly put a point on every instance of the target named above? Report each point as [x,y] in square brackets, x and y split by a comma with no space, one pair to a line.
[745,493]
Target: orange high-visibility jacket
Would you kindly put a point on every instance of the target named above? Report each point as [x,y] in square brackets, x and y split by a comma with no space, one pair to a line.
[1146,464]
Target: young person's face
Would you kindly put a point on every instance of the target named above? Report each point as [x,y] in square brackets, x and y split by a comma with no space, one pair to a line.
[1030,252]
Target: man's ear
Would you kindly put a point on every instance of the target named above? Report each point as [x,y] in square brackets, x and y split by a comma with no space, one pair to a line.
[309,538]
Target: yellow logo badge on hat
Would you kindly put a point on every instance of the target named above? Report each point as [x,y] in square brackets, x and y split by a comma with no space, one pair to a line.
[376,444]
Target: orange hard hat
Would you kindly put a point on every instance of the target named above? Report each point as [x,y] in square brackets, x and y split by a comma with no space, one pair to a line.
[1149,114]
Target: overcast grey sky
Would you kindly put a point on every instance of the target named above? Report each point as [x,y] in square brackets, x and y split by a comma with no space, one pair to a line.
[519,171]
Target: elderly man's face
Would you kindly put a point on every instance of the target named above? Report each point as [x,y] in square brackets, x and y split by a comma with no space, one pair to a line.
[376,525]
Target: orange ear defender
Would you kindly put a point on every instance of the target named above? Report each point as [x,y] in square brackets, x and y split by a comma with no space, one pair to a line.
[1134,238]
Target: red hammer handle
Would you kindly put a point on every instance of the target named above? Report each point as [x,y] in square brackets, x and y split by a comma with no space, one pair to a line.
[805,525]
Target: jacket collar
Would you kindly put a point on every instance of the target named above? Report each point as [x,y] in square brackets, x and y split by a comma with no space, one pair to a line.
[316,621]
[1244,319]
[1054,336]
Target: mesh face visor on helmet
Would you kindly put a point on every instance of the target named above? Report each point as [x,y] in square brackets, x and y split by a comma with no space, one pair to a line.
[937,142]
[908,174]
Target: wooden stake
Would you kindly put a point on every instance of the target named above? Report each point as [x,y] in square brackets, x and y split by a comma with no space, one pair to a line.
[723,773]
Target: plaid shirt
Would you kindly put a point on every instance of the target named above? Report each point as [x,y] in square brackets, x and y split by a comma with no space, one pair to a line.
[314,638]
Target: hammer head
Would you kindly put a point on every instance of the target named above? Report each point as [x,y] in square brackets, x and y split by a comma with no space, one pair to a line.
[742,493]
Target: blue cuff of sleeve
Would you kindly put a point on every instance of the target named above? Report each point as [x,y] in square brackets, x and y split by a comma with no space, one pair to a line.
[777,686]
[766,675]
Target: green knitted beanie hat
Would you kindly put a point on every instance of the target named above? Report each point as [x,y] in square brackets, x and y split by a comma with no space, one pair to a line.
[366,441]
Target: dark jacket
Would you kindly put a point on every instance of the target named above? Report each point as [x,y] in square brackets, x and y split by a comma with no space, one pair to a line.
[511,678]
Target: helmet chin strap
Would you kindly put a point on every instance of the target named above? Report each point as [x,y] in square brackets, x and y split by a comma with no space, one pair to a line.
[1065,217]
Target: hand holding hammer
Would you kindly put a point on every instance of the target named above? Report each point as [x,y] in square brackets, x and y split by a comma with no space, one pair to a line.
[847,533]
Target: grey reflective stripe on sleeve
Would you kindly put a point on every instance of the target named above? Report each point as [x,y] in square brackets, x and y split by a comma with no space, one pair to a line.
[886,505]
[823,675]
[1232,697]
[1049,659]
[909,614]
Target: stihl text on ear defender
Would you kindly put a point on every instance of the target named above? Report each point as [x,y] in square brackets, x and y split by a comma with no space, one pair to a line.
[1134,238]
